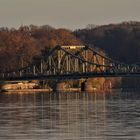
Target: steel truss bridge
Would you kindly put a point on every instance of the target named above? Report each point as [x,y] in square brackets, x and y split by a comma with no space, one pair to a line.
[72,62]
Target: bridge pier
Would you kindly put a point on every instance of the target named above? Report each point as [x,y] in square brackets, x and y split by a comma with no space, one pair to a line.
[59,86]
[87,86]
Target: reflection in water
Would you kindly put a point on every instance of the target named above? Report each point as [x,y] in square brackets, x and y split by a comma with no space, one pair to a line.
[69,116]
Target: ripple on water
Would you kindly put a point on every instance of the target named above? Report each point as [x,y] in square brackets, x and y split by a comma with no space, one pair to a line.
[75,116]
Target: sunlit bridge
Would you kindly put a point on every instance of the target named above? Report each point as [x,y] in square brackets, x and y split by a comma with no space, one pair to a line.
[71,62]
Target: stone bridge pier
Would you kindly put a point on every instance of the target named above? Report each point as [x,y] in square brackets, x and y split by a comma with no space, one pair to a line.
[87,86]
[59,86]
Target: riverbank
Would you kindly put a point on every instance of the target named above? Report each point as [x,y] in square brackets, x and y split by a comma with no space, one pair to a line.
[26,90]
[37,90]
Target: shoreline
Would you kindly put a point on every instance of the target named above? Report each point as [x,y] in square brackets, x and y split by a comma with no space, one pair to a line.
[26,90]
[66,90]
[38,90]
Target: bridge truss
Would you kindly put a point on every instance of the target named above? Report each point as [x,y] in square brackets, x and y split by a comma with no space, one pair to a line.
[71,62]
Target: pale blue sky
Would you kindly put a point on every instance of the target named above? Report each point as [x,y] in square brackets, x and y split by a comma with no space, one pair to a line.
[70,14]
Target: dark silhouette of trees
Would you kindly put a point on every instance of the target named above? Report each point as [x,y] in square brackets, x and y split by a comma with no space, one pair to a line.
[119,41]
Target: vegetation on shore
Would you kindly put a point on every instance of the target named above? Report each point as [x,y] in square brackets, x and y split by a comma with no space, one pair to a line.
[19,46]
[119,41]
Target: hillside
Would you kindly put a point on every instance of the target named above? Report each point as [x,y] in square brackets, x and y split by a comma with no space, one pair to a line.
[119,41]
[19,46]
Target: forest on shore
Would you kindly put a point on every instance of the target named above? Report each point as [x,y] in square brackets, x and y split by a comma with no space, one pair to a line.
[120,41]
[18,46]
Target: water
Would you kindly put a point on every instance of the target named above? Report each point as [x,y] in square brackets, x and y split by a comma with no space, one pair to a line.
[70,116]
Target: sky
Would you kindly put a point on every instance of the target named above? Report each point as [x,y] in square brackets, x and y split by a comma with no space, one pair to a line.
[71,14]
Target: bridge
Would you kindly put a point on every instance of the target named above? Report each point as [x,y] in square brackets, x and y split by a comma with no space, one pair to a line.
[71,62]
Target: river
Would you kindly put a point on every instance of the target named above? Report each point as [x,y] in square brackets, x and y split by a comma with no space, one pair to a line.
[70,116]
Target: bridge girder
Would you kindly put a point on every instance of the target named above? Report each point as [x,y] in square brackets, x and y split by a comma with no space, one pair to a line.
[72,61]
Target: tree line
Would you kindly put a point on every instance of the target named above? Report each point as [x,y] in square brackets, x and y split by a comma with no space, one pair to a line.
[119,41]
[19,46]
